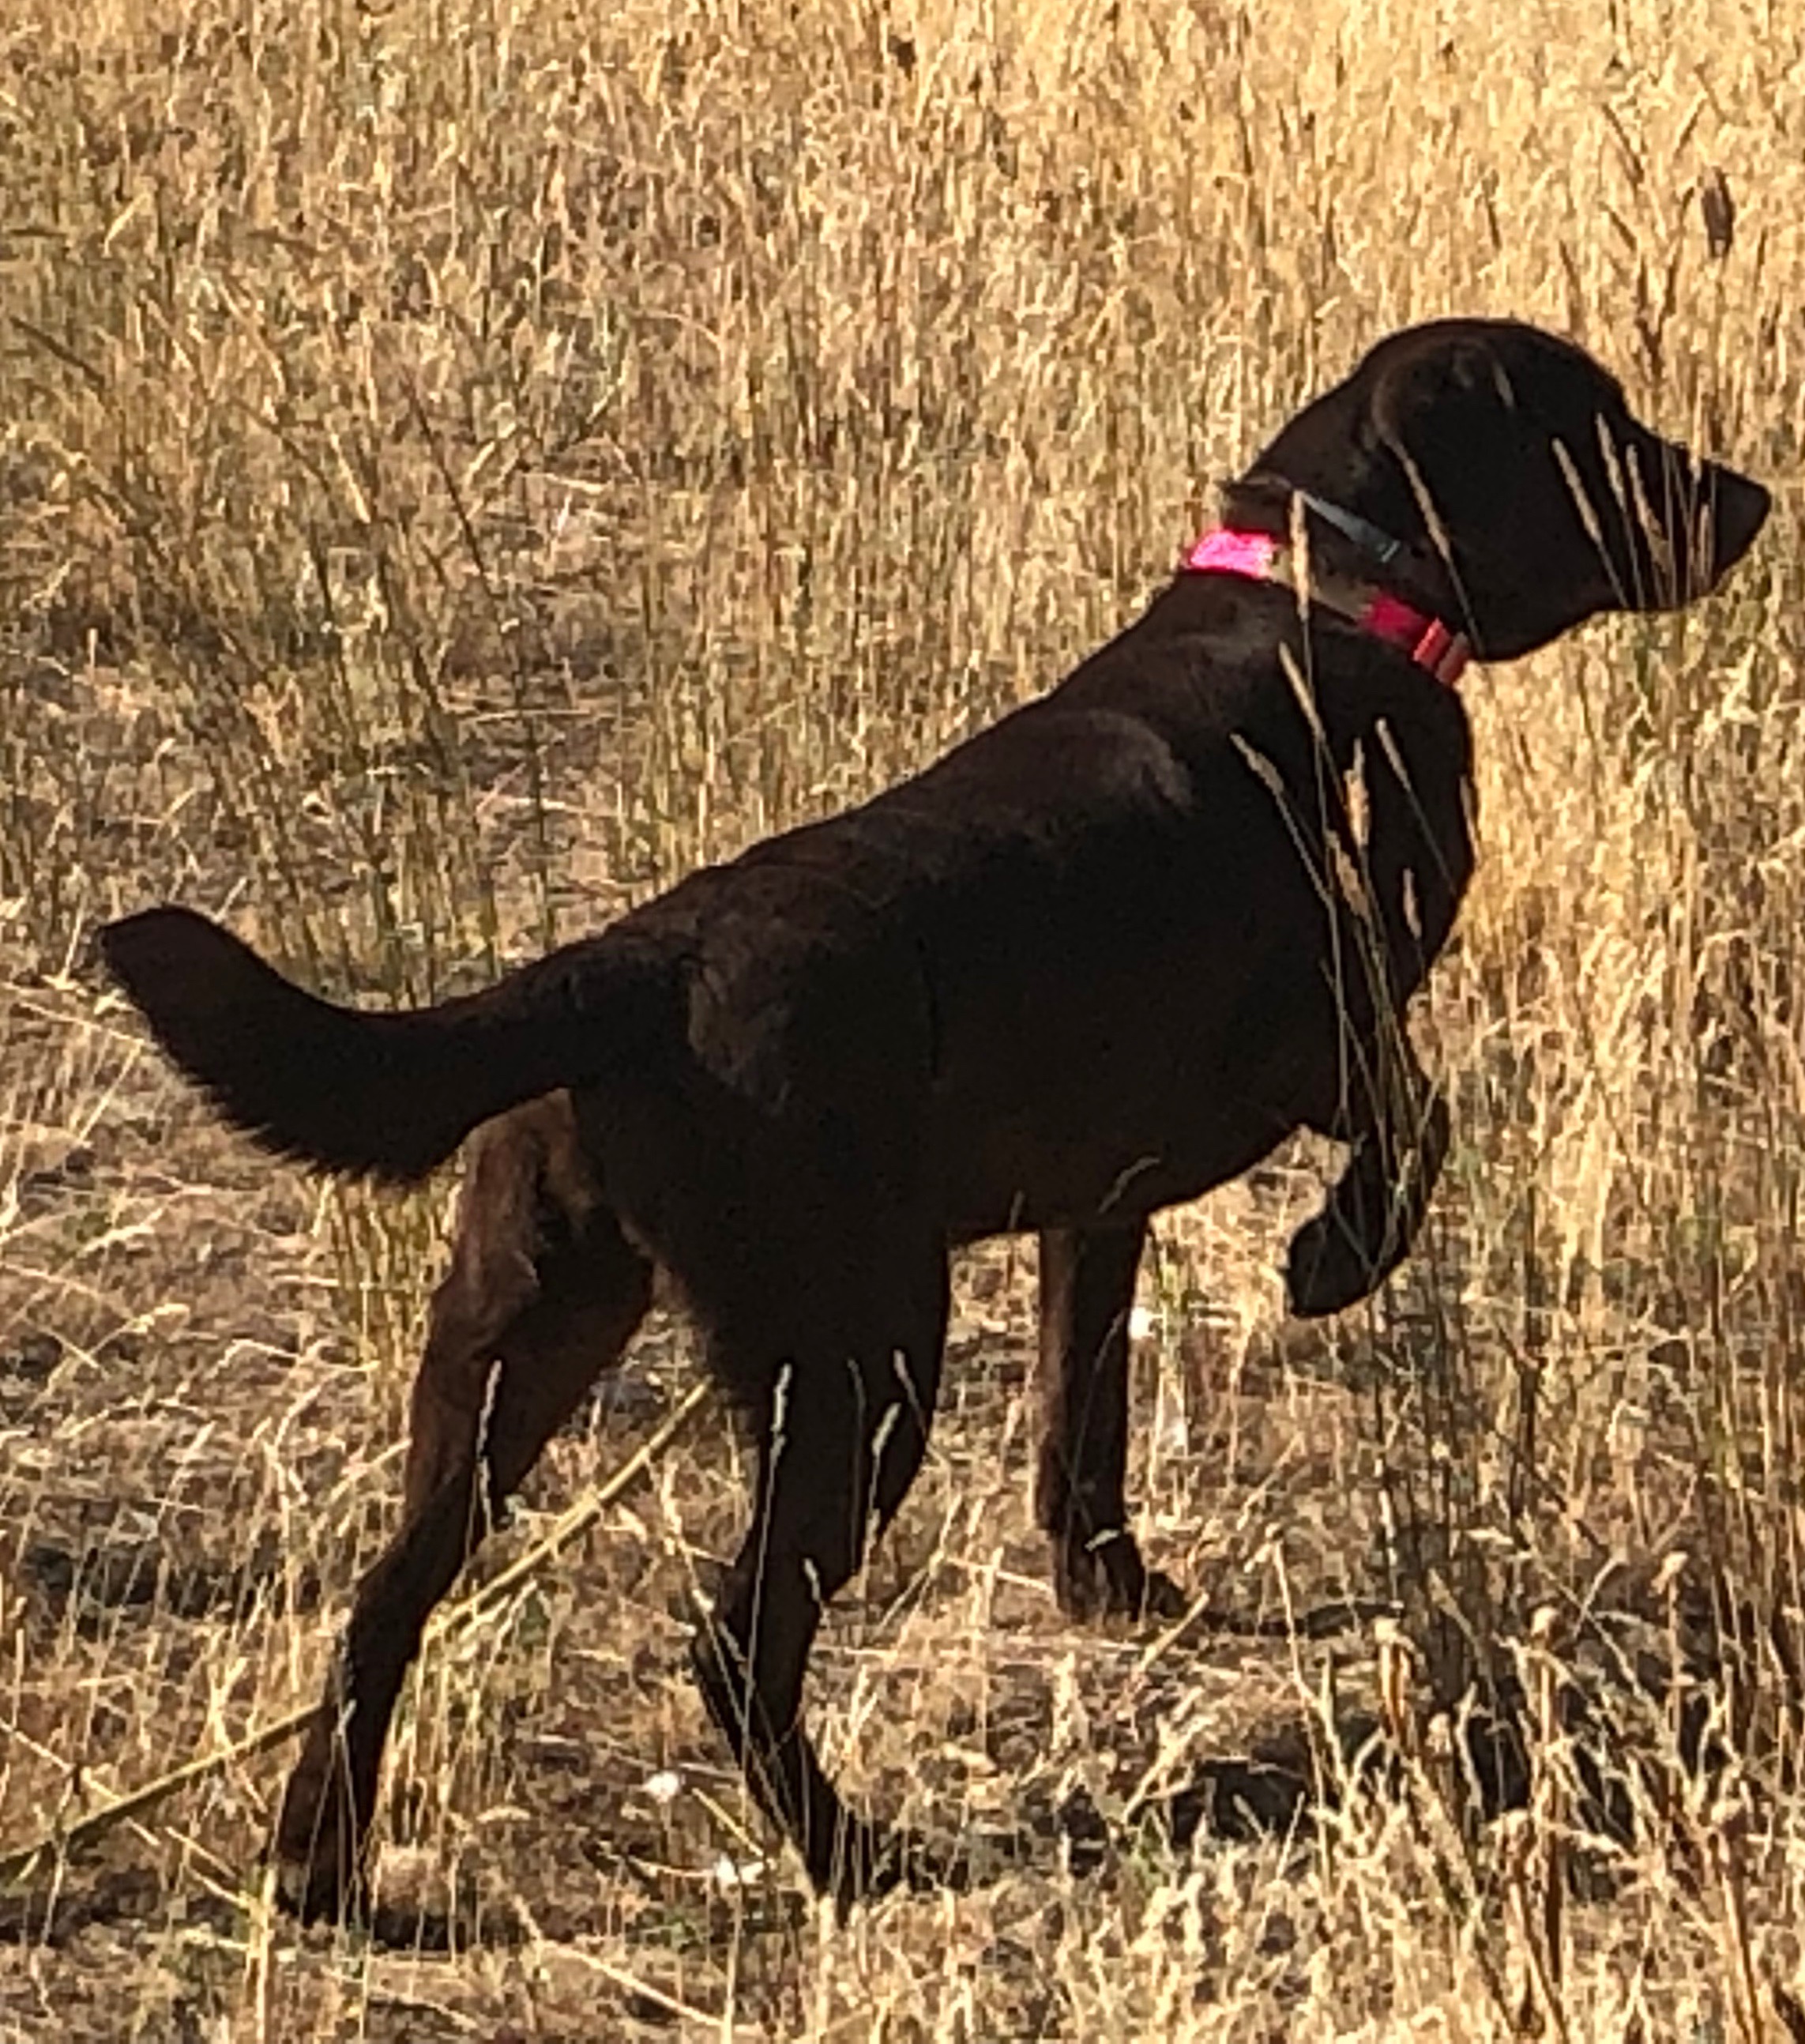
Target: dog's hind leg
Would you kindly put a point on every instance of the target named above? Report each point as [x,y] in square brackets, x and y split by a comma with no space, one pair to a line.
[1396,1120]
[543,1294]
[840,1437]
[1087,1294]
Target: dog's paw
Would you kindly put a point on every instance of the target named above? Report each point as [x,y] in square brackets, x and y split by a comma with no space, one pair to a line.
[1163,1599]
[321,1892]
[1103,1579]
[894,1860]
[319,1851]
[870,1861]
[1327,1270]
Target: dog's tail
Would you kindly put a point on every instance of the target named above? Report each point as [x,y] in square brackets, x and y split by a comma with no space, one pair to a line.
[387,1096]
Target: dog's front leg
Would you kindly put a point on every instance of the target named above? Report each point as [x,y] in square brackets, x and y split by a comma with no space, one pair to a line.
[1398,1129]
[1087,1293]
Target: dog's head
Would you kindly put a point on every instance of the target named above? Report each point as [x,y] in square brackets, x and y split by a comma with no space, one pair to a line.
[1529,495]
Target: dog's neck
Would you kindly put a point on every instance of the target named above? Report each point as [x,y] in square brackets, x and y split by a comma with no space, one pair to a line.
[1347,563]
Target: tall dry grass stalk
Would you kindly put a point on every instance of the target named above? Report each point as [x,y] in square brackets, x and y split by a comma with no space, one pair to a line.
[463,461]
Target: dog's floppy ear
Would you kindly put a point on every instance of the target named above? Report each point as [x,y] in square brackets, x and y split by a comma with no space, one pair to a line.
[1448,416]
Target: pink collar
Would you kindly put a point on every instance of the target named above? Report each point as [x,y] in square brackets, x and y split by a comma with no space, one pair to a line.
[1260,557]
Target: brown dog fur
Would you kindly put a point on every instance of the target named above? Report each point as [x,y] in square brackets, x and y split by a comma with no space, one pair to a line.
[1098,959]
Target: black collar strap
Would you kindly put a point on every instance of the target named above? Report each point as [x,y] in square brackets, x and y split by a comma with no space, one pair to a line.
[1262,557]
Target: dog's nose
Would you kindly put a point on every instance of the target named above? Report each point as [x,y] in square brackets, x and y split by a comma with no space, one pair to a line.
[1739,507]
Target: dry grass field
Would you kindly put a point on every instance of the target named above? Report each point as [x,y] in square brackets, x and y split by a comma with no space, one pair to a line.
[463,461]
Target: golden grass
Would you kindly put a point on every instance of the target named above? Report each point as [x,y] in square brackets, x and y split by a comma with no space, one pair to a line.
[460,462]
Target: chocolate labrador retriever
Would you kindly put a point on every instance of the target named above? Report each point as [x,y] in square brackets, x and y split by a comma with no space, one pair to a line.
[1100,958]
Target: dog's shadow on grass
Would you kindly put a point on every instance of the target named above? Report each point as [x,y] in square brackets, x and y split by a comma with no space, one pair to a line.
[54,1909]
[53,1912]
[1282,1789]
[1286,1786]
